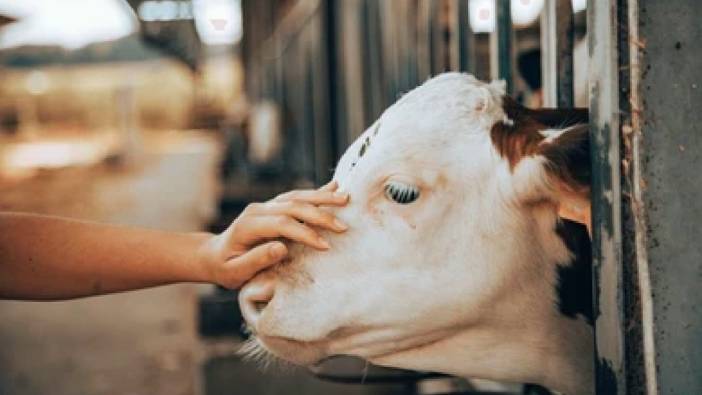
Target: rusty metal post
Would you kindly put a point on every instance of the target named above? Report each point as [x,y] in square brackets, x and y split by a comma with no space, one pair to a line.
[606,197]
[646,142]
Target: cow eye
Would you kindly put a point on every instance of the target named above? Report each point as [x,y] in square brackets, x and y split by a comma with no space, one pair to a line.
[401,193]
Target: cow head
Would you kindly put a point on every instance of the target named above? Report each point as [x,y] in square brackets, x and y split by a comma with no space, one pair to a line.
[455,260]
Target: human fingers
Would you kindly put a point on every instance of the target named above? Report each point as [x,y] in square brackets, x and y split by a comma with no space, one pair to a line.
[254,229]
[305,212]
[318,197]
[236,271]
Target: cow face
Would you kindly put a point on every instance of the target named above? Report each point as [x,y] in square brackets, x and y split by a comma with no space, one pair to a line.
[451,231]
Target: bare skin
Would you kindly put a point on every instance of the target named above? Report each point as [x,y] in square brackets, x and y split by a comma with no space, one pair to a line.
[51,258]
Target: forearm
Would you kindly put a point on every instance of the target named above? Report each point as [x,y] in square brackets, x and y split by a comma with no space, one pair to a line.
[53,258]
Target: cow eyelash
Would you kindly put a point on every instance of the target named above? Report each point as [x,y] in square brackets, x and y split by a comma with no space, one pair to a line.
[401,193]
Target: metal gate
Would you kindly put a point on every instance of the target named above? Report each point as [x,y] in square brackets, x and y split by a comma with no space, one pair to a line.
[347,60]
[646,139]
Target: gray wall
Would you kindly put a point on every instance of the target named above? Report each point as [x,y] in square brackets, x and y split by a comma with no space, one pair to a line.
[672,169]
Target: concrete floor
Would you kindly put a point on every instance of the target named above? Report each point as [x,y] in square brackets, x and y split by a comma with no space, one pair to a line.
[134,343]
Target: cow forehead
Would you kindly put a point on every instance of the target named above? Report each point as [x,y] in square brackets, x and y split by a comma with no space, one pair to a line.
[428,123]
[443,98]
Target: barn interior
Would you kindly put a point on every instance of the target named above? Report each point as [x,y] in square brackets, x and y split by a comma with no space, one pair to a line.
[176,114]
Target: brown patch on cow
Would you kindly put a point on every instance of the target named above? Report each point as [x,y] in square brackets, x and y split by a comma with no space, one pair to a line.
[517,140]
[521,137]
[567,156]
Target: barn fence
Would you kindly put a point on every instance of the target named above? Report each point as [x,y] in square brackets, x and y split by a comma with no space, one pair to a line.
[332,66]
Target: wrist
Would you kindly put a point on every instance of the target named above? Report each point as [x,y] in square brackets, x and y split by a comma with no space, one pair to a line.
[206,260]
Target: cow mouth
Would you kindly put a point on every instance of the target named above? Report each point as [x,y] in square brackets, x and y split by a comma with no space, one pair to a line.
[267,350]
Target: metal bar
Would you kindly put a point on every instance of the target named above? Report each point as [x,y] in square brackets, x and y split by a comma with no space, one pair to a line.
[566,33]
[549,60]
[501,61]
[374,77]
[466,39]
[411,61]
[403,43]
[424,40]
[352,64]
[454,37]
[557,37]
[333,40]
[436,42]
[606,197]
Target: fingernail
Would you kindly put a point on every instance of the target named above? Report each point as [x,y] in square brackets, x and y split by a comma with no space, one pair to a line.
[340,225]
[323,243]
[278,250]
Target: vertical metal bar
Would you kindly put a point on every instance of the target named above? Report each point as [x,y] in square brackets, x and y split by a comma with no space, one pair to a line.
[353,68]
[331,87]
[501,60]
[374,78]
[436,42]
[466,39]
[404,41]
[454,40]
[566,34]
[549,60]
[557,37]
[411,62]
[606,197]
[424,40]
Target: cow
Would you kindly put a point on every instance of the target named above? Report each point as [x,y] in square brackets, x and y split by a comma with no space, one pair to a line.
[456,260]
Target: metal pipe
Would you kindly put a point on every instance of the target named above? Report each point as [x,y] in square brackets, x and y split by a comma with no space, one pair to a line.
[501,55]
[606,198]
[466,39]
[557,38]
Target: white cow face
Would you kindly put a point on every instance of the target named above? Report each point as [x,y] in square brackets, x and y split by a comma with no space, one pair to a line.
[450,228]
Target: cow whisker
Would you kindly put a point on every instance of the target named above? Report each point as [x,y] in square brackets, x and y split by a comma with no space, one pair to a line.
[252,351]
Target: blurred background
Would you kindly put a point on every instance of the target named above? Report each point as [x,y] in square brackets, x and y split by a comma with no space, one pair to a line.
[175,114]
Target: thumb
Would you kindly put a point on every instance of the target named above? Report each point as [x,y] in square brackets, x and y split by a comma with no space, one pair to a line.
[242,268]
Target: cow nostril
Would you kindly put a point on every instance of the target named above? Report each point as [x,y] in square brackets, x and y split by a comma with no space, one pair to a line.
[259,305]
[258,299]
[254,298]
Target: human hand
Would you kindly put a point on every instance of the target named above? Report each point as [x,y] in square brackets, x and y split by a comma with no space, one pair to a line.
[249,245]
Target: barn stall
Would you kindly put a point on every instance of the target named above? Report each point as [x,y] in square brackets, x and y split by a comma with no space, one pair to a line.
[327,69]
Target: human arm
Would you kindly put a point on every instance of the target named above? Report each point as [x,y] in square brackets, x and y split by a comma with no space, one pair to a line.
[50,258]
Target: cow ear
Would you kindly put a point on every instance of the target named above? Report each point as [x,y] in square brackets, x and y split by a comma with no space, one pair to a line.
[567,163]
[561,161]
[566,159]
[548,150]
